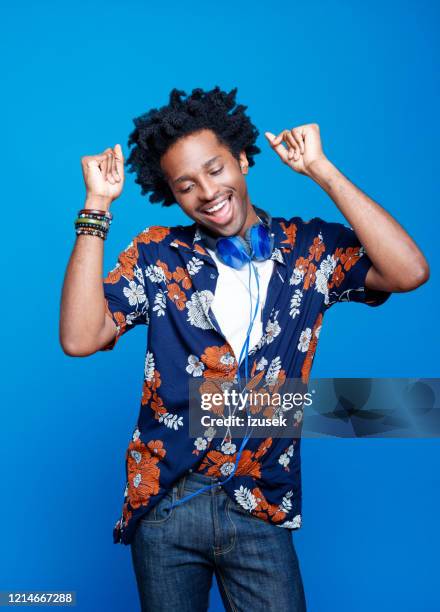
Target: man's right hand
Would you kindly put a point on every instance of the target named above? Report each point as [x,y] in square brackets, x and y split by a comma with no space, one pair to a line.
[104,176]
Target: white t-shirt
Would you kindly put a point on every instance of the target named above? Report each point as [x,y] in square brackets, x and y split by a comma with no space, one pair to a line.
[231,303]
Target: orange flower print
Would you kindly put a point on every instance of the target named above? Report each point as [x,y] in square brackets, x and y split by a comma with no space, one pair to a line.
[307,364]
[155,233]
[146,393]
[316,249]
[156,448]
[290,231]
[337,277]
[125,266]
[200,249]
[114,275]
[181,276]
[350,257]
[220,362]
[219,464]
[168,275]
[143,472]
[309,277]
[128,259]
[157,406]
[265,510]
[211,387]
[301,266]
[176,295]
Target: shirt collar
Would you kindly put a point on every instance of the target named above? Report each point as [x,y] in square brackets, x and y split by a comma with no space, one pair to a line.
[283,234]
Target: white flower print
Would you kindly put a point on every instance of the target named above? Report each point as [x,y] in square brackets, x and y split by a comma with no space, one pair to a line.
[138,274]
[195,366]
[160,303]
[227,359]
[228,448]
[261,364]
[194,265]
[149,366]
[155,274]
[198,309]
[286,503]
[136,435]
[297,276]
[245,498]
[200,444]
[227,468]
[135,293]
[210,433]
[137,480]
[171,420]
[284,459]
[290,450]
[322,275]
[272,330]
[273,370]
[132,316]
[295,302]
[277,255]
[304,339]
[295,523]
[136,455]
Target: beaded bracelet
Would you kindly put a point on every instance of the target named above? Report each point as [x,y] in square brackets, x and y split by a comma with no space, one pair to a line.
[94,211]
[91,232]
[93,222]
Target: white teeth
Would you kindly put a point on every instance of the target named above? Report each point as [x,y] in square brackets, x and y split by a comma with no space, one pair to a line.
[217,206]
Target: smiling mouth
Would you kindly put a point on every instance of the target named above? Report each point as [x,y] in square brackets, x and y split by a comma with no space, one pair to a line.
[213,211]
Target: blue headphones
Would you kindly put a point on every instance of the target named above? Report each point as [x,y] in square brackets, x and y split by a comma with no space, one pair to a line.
[235,251]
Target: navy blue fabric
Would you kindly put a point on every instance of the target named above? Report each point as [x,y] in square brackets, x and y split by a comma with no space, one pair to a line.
[166,279]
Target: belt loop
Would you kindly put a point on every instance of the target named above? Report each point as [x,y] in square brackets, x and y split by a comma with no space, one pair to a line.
[181,487]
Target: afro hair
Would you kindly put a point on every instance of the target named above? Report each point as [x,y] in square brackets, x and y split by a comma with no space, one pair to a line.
[156,130]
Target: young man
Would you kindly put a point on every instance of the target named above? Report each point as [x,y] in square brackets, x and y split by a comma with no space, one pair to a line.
[196,152]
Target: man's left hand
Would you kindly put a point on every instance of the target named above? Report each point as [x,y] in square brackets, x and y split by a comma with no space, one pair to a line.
[303,148]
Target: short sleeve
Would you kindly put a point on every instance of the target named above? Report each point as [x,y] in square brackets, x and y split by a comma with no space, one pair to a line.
[124,293]
[344,266]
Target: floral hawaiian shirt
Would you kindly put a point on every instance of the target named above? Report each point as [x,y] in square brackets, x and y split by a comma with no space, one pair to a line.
[166,279]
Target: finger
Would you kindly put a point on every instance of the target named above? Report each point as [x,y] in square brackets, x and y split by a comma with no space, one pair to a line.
[299,139]
[103,166]
[115,174]
[107,164]
[119,160]
[277,145]
[110,174]
[294,152]
[111,179]
[89,160]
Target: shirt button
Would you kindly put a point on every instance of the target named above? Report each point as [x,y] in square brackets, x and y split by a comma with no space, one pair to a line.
[212,275]
[190,470]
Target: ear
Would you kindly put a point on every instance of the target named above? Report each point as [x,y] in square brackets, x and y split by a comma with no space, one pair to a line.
[244,163]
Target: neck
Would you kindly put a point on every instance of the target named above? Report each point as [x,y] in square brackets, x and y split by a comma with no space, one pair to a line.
[251,218]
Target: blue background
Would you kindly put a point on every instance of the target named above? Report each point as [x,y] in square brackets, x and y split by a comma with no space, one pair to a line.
[75,75]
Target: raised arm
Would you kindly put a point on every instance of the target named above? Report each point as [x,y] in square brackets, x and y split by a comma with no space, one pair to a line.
[398,264]
[85,327]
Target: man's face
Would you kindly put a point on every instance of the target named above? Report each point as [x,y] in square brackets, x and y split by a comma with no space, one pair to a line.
[202,174]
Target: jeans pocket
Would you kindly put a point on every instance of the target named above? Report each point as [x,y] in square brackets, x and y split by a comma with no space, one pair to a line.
[234,506]
[162,511]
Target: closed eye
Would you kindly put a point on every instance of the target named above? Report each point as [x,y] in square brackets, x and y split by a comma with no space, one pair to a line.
[213,172]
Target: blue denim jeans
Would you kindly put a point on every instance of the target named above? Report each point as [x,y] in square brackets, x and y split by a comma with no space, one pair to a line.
[176,551]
